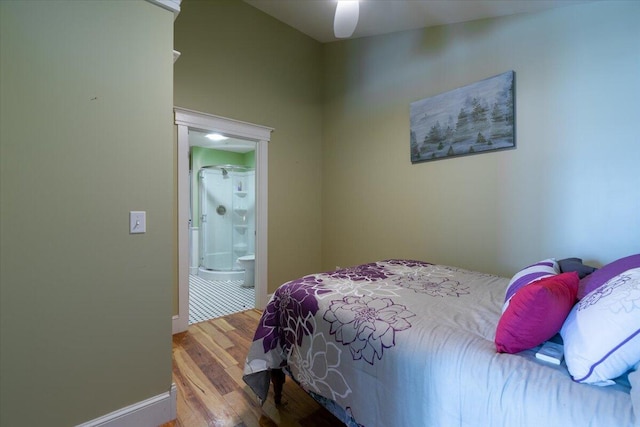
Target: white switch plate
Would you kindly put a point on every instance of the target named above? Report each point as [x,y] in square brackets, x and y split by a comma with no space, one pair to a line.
[137,222]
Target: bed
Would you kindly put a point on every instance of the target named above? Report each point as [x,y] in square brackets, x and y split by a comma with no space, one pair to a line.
[408,343]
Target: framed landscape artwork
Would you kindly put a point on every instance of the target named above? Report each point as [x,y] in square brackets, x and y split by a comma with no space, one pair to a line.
[476,118]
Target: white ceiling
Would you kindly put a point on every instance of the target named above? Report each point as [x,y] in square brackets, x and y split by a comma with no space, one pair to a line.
[315,17]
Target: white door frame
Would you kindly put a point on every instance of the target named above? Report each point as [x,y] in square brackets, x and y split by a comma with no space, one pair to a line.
[188,119]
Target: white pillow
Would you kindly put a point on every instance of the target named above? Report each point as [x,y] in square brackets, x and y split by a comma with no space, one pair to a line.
[540,270]
[602,333]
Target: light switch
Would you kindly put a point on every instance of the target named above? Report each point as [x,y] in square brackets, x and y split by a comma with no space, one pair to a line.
[137,222]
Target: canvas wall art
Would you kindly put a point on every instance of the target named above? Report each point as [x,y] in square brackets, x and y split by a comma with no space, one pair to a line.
[473,119]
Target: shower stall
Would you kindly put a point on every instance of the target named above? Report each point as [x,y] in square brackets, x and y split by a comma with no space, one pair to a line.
[227,220]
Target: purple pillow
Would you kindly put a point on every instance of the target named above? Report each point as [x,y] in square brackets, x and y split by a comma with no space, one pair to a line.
[606,273]
[531,273]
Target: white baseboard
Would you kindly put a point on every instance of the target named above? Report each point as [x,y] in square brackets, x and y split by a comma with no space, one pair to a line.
[151,412]
[179,324]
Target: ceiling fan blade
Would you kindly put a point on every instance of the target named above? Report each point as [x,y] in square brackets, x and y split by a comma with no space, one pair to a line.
[346,19]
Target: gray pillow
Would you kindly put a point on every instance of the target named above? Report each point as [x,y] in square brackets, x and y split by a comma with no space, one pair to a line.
[568,265]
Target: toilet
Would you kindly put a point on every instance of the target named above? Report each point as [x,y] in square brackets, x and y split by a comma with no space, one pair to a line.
[248,264]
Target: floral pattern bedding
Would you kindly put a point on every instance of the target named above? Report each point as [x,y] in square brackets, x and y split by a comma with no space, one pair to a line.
[404,343]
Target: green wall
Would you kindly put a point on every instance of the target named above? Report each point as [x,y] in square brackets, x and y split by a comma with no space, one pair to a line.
[240,63]
[85,137]
[342,189]
[570,188]
[201,156]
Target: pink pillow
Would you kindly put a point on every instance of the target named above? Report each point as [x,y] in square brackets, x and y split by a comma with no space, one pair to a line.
[536,312]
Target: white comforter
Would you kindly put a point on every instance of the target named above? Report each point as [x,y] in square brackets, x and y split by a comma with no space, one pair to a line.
[406,343]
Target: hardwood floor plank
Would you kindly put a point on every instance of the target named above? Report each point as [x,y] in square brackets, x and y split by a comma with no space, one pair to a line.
[254,314]
[191,411]
[220,354]
[216,334]
[243,325]
[222,324]
[241,348]
[249,413]
[206,392]
[208,362]
[209,366]
[236,372]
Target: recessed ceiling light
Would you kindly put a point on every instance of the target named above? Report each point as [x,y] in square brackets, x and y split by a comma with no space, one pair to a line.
[216,137]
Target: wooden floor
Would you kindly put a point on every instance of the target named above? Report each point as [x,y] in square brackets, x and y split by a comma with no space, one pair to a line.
[208,361]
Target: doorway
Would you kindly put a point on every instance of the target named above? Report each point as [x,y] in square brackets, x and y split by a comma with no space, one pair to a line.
[221,225]
[189,121]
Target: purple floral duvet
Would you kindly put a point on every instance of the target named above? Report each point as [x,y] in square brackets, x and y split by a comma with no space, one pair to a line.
[407,343]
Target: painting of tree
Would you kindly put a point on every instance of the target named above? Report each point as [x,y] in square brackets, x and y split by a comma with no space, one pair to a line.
[472,119]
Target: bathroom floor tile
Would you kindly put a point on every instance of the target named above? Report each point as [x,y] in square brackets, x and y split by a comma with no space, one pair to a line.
[210,299]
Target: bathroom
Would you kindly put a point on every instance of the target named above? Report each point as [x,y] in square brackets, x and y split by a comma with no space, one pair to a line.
[222,225]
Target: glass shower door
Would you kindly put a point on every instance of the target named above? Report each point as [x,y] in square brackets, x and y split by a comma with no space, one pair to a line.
[216,220]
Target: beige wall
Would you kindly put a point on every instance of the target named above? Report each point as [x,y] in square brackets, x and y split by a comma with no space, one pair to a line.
[342,189]
[85,113]
[570,188]
[85,137]
[239,63]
